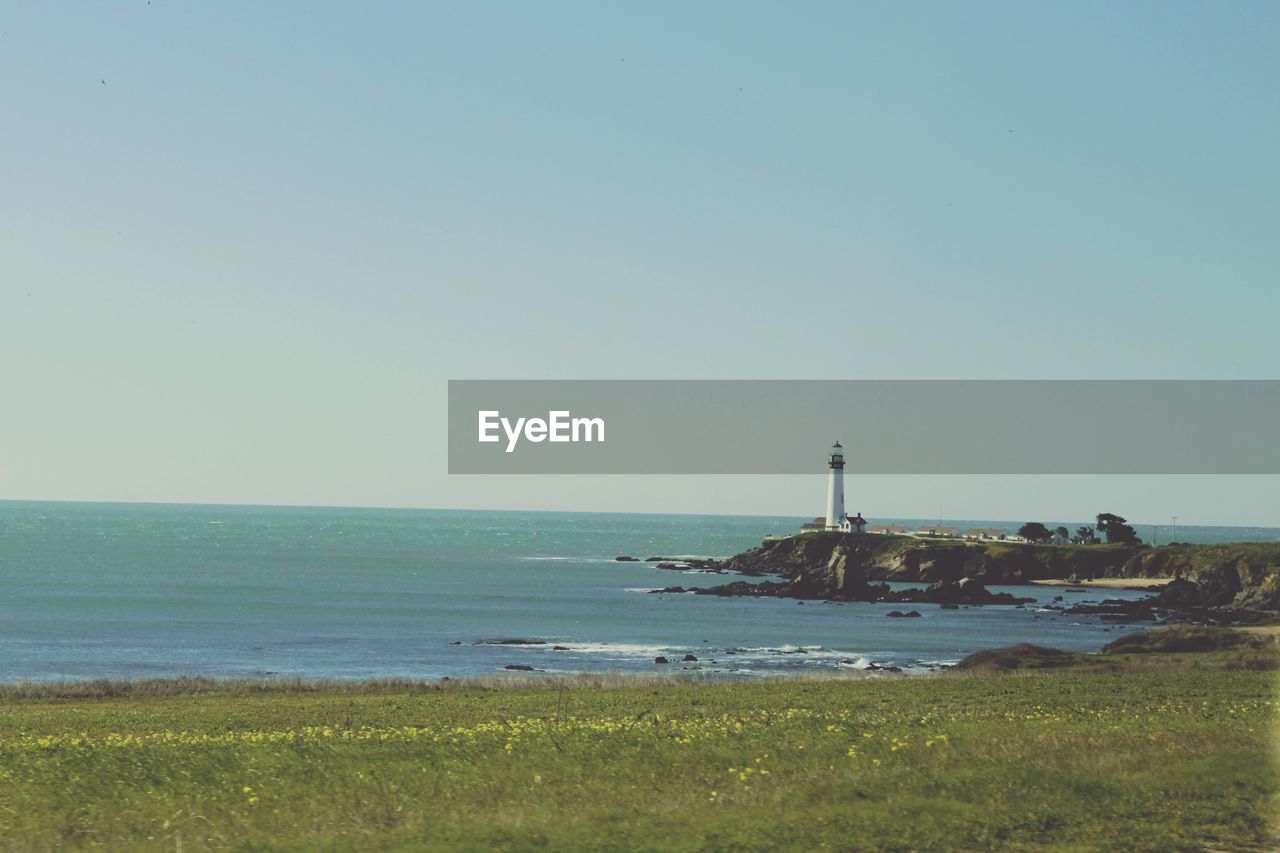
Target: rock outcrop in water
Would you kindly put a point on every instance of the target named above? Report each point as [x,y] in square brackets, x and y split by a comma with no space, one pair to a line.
[842,566]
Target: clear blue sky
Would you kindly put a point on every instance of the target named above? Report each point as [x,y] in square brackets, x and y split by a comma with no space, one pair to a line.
[244,245]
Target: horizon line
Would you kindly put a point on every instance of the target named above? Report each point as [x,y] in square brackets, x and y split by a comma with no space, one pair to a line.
[254,505]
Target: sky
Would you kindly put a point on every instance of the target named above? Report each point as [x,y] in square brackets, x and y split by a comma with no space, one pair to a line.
[244,246]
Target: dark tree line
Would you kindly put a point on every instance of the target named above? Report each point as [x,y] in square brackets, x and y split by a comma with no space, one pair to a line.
[1116,530]
[1034,531]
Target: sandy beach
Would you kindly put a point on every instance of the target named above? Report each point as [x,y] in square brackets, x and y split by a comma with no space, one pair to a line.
[1107,583]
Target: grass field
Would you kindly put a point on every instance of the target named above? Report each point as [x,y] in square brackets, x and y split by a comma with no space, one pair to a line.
[1146,760]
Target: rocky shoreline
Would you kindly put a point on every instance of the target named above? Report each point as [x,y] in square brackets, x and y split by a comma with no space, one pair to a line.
[1213,584]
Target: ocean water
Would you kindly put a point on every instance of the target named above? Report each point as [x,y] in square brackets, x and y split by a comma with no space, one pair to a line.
[93,590]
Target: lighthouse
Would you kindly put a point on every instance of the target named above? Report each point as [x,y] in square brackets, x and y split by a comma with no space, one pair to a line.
[835,488]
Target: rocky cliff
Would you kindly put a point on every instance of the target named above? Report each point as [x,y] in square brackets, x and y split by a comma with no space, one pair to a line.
[1243,575]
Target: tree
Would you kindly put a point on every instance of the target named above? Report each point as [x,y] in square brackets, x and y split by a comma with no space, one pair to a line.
[1118,531]
[1034,531]
[1061,532]
[1086,536]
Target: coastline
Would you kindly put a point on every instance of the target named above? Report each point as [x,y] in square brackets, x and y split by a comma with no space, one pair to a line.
[1207,583]
[1261,644]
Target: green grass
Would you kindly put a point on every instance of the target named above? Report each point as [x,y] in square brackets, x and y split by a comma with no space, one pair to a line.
[1143,760]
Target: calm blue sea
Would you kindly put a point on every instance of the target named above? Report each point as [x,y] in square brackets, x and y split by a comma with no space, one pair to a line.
[125,590]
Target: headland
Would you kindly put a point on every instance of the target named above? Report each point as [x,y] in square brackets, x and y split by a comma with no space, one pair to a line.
[1237,582]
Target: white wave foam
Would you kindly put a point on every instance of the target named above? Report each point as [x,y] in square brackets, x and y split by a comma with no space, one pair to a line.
[785,649]
[618,649]
[653,589]
[737,660]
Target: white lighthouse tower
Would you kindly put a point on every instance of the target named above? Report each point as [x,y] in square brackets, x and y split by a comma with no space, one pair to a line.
[835,488]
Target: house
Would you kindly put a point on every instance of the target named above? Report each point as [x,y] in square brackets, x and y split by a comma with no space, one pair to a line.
[887,529]
[983,534]
[937,531]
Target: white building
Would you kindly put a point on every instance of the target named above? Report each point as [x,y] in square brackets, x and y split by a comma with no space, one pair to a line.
[937,531]
[835,489]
